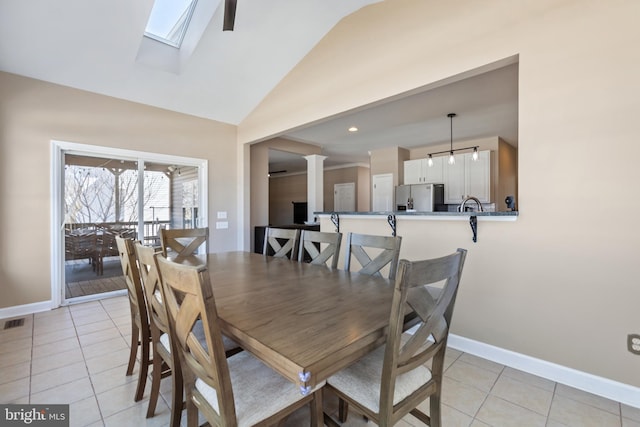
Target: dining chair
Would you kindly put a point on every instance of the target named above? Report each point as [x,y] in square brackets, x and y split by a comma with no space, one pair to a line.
[164,363]
[183,242]
[235,391]
[393,380]
[281,242]
[319,247]
[165,360]
[140,332]
[363,246]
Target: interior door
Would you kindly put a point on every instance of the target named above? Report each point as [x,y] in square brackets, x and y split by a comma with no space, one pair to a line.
[382,193]
[344,197]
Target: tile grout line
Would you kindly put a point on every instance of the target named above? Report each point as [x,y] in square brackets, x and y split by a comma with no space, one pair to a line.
[84,359]
[120,332]
[553,395]
[33,331]
[149,374]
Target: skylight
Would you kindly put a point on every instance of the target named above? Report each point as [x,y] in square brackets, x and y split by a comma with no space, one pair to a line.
[169,21]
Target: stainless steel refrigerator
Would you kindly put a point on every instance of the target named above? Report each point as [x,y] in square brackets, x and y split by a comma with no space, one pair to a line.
[419,197]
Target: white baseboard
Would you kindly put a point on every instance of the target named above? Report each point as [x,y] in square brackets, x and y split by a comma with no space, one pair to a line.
[23,310]
[604,387]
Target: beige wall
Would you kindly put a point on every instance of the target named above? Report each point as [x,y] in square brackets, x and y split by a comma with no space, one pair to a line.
[283,191]
[356,174]
[561,283]
[389,160]
[32,113]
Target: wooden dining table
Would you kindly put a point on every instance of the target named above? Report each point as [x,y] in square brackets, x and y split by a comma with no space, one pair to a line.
[305,321]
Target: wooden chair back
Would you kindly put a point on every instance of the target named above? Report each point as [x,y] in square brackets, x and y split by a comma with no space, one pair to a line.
[180,243]
[189,298]
[126,252]
[320,247]
[430,288]
[389,254]
[281,242]
[152,287]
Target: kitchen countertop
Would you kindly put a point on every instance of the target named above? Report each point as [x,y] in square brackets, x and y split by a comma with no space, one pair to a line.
[509,214]
[487,216]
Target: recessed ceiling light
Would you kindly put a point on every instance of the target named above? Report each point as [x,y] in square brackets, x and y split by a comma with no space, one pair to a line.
[353,129]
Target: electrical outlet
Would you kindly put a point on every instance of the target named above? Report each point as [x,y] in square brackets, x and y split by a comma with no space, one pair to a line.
[633,343]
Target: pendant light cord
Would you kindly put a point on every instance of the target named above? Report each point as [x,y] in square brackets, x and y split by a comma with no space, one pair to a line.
[451,116]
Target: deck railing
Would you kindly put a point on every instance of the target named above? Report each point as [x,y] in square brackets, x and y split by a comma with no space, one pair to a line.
[151,228]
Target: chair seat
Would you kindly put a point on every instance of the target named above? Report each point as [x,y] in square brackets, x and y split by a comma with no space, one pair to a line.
[259,391]
[361,381]
[198,331]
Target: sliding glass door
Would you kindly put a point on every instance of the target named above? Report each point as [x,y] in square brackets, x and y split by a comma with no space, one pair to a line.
[105,193]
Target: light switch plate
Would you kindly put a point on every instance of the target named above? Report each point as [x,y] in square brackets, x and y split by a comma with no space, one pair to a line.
[222,225]
[222,214]
[633,343]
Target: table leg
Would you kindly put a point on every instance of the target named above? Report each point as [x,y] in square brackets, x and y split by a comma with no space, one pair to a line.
[317,413]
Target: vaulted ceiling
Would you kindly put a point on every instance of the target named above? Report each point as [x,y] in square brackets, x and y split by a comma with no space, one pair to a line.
[99,46]
[96,46]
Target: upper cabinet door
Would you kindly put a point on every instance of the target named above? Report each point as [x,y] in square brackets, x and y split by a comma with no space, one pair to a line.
[413,172]
[454,180]
[434,174]
[478,176]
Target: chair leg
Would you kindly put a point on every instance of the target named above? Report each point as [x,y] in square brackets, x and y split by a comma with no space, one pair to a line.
[435,410]
[156,377]
[135,336]
[176,395]
[144,366]
[343,410]
[192,413]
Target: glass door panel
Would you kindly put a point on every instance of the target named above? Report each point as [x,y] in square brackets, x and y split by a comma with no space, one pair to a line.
[100,203]
[157,201]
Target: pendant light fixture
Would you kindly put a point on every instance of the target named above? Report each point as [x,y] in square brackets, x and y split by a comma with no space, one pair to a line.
[452,159]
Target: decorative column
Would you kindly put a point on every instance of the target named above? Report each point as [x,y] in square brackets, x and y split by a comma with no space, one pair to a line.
[315,185]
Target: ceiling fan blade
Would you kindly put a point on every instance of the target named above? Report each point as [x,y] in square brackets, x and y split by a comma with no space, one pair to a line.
[229,15]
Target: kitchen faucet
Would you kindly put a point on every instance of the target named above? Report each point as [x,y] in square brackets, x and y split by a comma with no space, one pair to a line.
[466,199]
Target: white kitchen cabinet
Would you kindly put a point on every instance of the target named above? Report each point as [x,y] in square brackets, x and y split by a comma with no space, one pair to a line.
[413,171]
[418,171]
[468,178]
[454,182]
[478,176]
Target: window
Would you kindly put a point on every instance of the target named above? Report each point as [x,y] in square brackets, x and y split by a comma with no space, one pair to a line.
[169,21]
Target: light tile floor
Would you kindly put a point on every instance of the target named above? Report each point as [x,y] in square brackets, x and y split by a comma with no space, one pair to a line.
[78,355]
